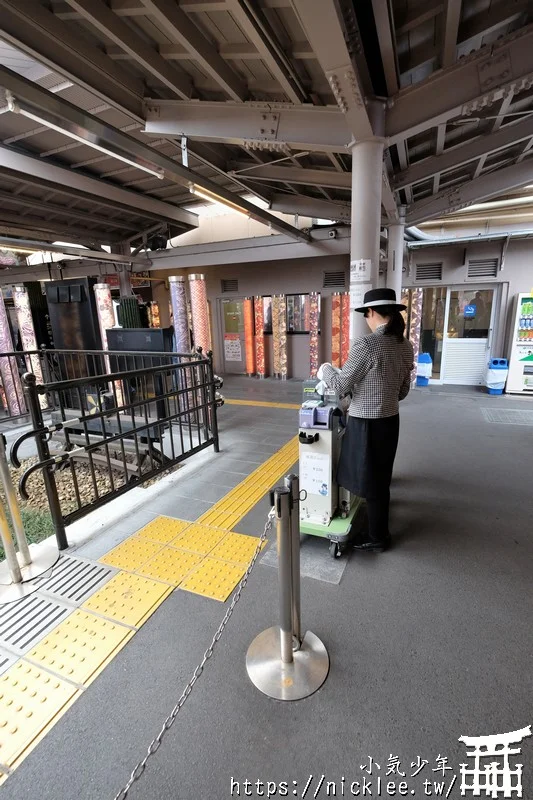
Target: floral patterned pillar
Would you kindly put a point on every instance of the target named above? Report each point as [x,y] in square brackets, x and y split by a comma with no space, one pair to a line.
[27,336]
[259,337]
[417,298]
[336,329]
[314,314]
[248,309]
[345,327]
[282,322]
[276,369]
[200,312]
[13,393]
[106,320]
[178,301]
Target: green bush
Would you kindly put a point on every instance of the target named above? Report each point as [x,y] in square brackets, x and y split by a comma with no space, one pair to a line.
[37,525]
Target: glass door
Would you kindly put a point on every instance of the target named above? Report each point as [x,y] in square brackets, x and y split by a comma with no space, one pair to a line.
[432,326]
[468,328]
[233,335]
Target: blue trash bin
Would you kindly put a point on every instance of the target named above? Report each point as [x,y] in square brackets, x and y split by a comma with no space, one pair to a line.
[497,371]
[424,369]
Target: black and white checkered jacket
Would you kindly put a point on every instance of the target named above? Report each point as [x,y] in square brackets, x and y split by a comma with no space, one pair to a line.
[377,374]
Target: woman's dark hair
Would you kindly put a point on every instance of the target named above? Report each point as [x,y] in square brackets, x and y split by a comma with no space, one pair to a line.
[396,323]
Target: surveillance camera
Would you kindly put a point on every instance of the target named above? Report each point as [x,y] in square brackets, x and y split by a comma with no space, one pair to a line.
[332,234]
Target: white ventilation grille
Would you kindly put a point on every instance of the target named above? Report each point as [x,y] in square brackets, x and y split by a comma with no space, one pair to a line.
[229,285]
[483,268]
[465,362]
[428,272]
[334,280]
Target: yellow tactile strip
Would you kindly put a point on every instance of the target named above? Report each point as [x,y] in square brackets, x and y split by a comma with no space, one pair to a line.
[171,565]
[80,647]
[261,403]
[128,598]
[132,553]
[163,529]
[214,578]
[237,548]
[30,699]
[236,504]
[199,538]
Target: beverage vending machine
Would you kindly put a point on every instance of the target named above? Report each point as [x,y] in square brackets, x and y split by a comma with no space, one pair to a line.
[520,380]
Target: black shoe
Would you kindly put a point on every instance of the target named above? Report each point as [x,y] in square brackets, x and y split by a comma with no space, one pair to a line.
[373,547]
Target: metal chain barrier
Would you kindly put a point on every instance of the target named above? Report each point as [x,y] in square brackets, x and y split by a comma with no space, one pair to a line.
[138,771]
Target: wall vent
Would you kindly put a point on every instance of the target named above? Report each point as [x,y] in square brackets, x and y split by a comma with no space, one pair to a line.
[483,268]
[229,285]
[428,272]
[334,280]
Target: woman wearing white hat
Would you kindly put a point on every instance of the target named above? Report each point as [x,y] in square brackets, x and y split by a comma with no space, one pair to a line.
[378,375]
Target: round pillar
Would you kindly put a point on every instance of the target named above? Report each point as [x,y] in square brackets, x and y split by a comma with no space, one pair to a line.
[395,248]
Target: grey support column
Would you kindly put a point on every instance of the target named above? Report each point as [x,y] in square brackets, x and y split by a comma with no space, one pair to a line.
[367,172]
[395,255]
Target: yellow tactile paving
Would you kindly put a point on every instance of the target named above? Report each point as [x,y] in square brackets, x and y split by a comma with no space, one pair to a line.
[214,578]
[80,647]
[261,403]
[236,504]
[30,699]
[129,599]
[236,548]
[132,553]
[163,529]
[171,565]
[199,539]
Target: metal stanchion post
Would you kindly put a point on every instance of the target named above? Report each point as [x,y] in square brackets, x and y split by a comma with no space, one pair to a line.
[9,549]
[14,510]
[278,663]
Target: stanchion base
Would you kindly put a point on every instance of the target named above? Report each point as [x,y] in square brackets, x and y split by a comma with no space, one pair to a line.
[295,681]
[43,559]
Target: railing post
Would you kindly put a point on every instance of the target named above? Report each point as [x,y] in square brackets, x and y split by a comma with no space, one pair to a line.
[9,548]
[32,399]
[212,401]
[14,510]
[278,663]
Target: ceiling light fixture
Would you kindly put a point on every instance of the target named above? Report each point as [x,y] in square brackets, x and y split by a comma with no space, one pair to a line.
[16,108]
[27,250]
[205,194]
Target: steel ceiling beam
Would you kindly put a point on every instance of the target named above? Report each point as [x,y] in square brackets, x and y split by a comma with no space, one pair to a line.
[178,26]
[328,178]
[482,188]
[66,211]
[462,154]
[68,116]
[310,207]
[383,18]
[38,32]
[463,89]
[100,255]
[452,15]
[104,20]
[13,224]
[417,16]
[252,21]
[261,125]
[97,191]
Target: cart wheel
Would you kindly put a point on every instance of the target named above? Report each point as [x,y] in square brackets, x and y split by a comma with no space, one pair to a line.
[335,550]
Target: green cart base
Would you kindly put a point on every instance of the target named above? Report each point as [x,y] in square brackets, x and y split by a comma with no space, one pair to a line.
[339,530]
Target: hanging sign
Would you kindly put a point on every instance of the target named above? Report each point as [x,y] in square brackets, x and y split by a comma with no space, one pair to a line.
[232,347]
[357,294]
[360,270]
[315,473]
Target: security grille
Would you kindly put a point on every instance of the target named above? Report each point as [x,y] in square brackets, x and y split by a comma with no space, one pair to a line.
[483,268]
[429,272]
[507,416]
[334,280]
[229,285]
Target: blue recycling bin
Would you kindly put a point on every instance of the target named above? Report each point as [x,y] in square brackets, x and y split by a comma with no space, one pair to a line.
[424,369]
[497,371]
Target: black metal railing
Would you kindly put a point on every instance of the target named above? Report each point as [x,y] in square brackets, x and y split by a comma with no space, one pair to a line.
[114,431]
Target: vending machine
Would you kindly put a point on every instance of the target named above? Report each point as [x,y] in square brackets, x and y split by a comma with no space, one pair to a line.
[520,380]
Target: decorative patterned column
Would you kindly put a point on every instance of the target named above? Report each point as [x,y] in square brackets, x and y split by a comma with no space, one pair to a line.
[21,300]
[282,321]
[248,309]
[200,312]
[14,395]
[276,368]
[345,327]
[259,337]
[336,329]
[178,302]
[417,298]
[106,320]
[314,318]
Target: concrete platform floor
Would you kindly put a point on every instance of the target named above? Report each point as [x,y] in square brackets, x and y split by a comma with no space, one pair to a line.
[428,642]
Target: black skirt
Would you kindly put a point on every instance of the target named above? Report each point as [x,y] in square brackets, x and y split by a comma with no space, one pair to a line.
[367,455]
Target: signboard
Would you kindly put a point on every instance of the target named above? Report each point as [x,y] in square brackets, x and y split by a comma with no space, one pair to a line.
[138,280]
[470,311]
[315,473]
[232,347]
[360,270]
[357,294]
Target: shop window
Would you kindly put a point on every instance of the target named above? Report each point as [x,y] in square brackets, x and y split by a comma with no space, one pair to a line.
[298,313]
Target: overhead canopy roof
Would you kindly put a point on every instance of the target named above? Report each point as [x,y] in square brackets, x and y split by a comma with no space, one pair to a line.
[247,83]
